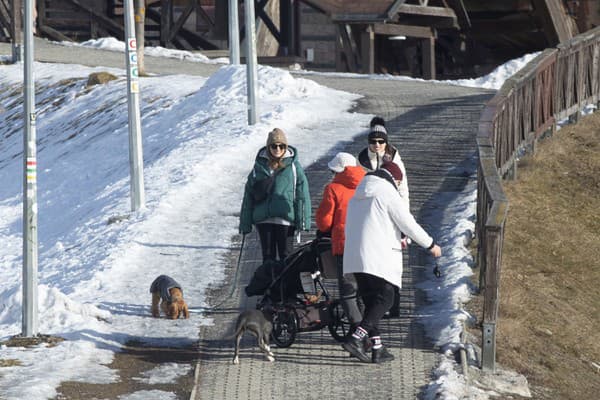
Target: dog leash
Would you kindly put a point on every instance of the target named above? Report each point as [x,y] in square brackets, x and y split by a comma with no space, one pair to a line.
[235,278]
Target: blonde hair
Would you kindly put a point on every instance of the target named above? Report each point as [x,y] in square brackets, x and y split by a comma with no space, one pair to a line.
[276,136]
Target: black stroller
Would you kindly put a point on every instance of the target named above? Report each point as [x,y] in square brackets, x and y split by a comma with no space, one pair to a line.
[294,293]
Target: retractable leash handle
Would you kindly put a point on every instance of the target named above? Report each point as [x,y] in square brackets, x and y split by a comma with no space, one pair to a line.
[436,270]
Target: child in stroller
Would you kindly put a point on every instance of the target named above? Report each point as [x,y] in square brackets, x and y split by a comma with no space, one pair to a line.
[294,294]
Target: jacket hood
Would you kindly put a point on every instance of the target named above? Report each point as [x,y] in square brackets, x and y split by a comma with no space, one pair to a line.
[350,177]
[368,187]
[371,185]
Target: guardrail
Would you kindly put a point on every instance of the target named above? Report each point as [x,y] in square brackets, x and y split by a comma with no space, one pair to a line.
[554,86]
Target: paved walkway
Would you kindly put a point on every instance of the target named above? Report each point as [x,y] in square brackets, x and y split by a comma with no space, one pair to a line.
[434,127]
[46,51]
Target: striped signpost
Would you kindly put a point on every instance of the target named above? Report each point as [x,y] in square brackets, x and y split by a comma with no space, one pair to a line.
[135,129]
[30,208]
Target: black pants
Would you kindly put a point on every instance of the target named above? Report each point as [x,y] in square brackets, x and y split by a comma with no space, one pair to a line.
[275,239]
[378,296]
[348,294]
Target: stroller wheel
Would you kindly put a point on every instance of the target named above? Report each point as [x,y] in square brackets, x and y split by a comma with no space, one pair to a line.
[285,326]
[339,327]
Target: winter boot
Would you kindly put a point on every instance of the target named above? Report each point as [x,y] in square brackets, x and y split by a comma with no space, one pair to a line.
[381,355]
[356,347]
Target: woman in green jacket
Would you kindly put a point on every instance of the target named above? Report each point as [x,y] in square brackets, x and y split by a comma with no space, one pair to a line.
[276,197]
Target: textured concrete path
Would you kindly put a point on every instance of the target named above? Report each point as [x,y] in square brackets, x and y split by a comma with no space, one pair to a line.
[434,127]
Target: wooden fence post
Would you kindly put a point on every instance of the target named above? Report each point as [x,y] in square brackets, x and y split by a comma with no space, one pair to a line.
[494,239]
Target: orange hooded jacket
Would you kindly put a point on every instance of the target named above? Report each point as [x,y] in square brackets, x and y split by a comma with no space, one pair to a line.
[331,214]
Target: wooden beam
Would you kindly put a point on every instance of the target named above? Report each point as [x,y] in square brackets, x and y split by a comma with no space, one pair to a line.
[41,12]
[394,8]
[288,28]
[4,27]
[501,6]
[357,18]
[181,20]
[502,25]
[261,13]
[428,11]
[461,13]
[5,24]
[166,19]
[428,58]
[347,48]
[16,18]
[367,50]
[554,21]
[54,34]
[221,19]
[204,15]
[109,23]
[404,30]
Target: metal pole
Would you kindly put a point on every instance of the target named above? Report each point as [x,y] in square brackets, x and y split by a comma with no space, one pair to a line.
[234,33]
[133,105]
[251,69]
[30,209]
[16,31]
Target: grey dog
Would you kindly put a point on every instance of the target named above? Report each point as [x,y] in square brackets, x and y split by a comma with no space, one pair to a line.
[253,321]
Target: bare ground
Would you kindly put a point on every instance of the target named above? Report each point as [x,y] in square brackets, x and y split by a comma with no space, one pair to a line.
[549,321]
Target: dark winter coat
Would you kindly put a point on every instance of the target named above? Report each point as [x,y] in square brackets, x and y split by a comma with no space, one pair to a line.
[288,199]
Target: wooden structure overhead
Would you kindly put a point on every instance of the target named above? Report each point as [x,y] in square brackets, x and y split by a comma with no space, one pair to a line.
[359,22]
[386,11]
[451,38]
[182,24]
[454,34]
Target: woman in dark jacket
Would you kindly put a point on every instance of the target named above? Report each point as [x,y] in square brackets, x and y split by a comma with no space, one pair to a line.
[276,197]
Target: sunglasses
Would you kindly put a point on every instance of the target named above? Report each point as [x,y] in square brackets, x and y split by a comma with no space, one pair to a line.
[376,141]
[276,146]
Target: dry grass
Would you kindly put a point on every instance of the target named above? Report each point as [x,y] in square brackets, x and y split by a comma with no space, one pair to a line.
[549,324]
[9,363]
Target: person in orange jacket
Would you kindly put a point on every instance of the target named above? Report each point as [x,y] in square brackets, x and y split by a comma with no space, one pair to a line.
[331,218]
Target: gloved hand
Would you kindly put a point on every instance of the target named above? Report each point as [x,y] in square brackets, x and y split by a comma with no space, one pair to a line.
[405,241]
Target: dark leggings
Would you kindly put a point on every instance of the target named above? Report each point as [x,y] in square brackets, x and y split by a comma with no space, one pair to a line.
[378,296]
[274,240]
[349,298]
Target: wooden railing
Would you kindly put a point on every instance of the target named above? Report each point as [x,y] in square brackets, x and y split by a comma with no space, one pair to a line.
[554,86]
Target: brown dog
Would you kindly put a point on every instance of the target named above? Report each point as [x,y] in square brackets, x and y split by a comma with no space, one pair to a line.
[168,292]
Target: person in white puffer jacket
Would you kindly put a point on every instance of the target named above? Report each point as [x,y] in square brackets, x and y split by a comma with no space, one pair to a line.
[379,151]
[377,216]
